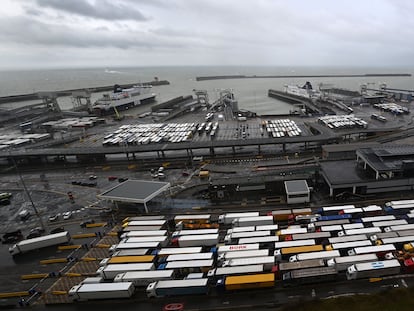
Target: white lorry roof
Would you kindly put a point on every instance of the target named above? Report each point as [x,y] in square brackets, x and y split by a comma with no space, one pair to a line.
[238,247]
[198,237]
[195,232]
[263,239]
[189,264]
[294,243]
[194,256]
[144,233]
[388,223]
[374,249]
[347,238]
[182,283]
[267,227]
[130,275]
[377,265]
[351,244]
[236,270]
[377,218]
[318,255]
[179,250]
[355,258]
[246,254]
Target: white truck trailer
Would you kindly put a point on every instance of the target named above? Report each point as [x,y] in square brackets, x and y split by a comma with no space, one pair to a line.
[163,240]
[109,272]
[243,254]
[39,242]
[235,248]
[218,272]
[229,217]
[143,278]
[177,287]
[253,221]
[124,246]
[196,240]
[95,291]
[342,263]
[373,269]
[315,255]
[267,261]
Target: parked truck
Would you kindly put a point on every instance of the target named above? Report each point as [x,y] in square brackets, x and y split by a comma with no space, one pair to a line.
[267,261]
[284,267]
[218,272]
[229,217]
[126,259]
[253,221]
[110,271]
[315,255]
[40,242]
[248,281]
[101,291]
[342,263]
[373,269]
[311,275]
[144,278]
[177,287]
[196,240]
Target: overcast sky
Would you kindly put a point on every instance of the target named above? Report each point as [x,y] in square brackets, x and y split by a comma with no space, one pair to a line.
[110,33]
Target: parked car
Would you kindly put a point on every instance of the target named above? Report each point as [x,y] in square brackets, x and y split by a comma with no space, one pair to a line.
[57,230]
[34,233]
[86,222]
[112,178]
[12,237]
[93,177]
[122,179]
[4,201]
[67,215]
[54,218]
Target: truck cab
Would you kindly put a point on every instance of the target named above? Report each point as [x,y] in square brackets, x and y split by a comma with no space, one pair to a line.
[151,290]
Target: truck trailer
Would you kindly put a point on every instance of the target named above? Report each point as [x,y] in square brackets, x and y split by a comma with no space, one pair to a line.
[284,267]
[218,272]
[243,254]
[234,248]
[229,217]
[311,275]
[315,255]
[144,278]
[253,221]
[342,263]
[248,281]
[196,240]
[177,287]
[373,269]
[110,271]
[39,242]
[267,261]
[95,291]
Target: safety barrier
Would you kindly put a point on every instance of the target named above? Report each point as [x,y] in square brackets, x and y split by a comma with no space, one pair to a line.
[13,294]
[65,247]
[87,259]
[102,246]
[95,225]
[72,275]
[112,234]
[59,292]
[51,261]
[34,276]
[83,235]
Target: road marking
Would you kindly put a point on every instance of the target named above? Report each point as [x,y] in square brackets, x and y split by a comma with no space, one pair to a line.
[404,283]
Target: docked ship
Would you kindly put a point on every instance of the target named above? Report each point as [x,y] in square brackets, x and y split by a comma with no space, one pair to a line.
[123,99]
[305,91]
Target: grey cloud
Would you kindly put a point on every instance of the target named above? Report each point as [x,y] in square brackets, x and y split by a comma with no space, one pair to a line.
[102,9]
[16,30]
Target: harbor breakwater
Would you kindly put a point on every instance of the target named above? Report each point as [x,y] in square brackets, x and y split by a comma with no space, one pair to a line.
[206,78]
[32,96]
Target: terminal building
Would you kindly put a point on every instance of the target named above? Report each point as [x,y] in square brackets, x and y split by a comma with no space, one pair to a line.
[376,170]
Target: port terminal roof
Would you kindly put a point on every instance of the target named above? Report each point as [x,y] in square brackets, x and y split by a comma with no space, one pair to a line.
[135,191]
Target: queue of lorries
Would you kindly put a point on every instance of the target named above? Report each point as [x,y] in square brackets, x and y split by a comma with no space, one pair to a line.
[286,247]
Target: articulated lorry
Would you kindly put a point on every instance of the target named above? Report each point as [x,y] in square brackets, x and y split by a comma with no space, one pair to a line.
[177,287]
[40,242]
[90,291]
[144,278]
[373,269]
[248,281]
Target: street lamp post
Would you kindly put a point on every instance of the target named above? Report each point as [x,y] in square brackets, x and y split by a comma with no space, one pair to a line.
[27,192]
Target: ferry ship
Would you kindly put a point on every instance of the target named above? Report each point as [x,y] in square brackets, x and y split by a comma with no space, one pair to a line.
[123,99]
[305,91]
